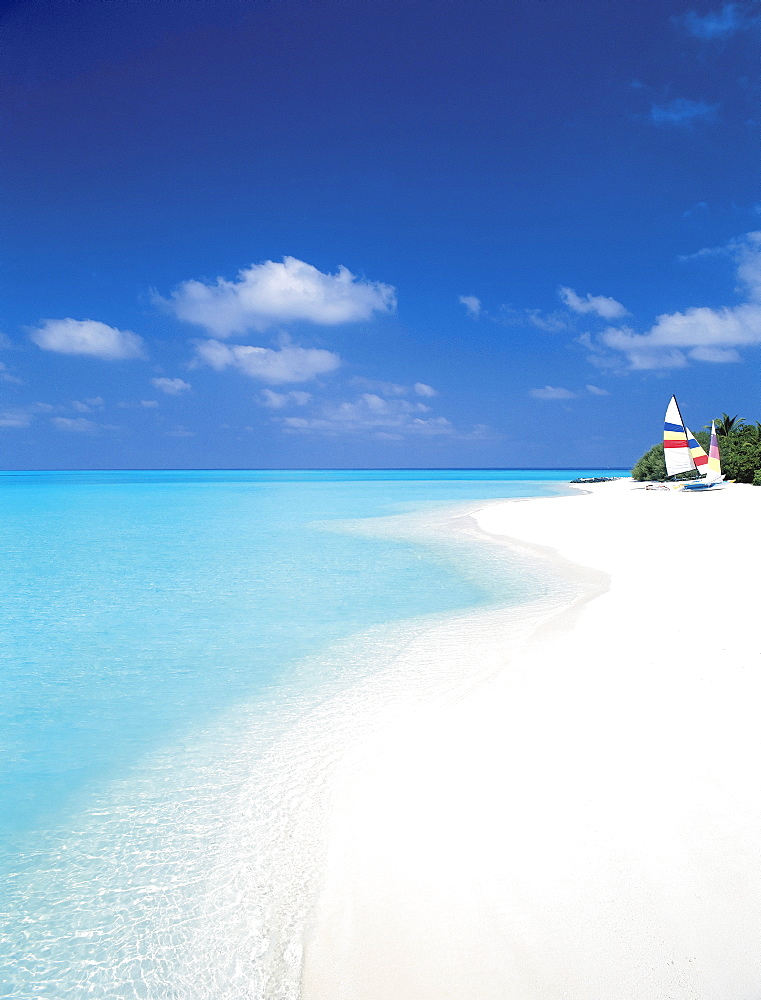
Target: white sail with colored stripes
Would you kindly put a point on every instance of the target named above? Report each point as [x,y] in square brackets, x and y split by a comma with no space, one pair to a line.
[676,449]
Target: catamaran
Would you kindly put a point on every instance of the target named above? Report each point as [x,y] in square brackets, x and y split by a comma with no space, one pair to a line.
[683,453]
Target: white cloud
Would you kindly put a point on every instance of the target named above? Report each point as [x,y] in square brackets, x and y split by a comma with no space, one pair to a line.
[393,388]
[76,425]
[472,305]
[370,413]
[171,386]
[424,390]
[289,363]
[22,416]
[268,294]
[375,385]
[86,406]
[716,355]
[87,337]
[5,376]
[682,112]
[550,392]
[595,390]
[178,431]
[699,333]
[599,305]
[549,322]
[728,21]
[15,418]
[149,404]
[280,400]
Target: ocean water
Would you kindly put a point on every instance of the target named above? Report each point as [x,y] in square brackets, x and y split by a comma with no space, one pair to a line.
[171,644]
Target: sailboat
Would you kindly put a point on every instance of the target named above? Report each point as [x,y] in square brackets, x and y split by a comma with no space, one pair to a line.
[713,477]
[684,454]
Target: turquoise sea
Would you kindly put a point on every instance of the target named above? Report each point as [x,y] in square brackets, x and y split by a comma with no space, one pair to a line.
[164,635]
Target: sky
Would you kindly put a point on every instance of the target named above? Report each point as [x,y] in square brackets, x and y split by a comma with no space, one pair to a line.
[365,233]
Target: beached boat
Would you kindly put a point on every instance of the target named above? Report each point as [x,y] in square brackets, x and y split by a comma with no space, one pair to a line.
[683,453]
[713,476]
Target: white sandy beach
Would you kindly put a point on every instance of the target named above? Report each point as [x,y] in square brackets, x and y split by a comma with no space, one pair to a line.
[584,824]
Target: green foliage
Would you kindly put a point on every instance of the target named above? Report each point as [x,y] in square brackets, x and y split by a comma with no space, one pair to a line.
[740,455]
[652,465]
[725,425]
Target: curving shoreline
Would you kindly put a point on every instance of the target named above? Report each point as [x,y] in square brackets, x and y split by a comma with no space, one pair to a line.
[586,821]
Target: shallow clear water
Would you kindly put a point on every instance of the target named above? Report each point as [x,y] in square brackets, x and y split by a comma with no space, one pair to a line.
[162,632]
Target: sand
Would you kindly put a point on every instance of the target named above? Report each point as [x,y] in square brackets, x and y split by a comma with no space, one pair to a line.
[585,822]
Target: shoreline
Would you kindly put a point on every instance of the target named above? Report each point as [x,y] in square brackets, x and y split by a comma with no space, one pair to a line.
[585,819]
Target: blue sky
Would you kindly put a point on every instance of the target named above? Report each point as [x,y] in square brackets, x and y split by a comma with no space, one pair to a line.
[288,234]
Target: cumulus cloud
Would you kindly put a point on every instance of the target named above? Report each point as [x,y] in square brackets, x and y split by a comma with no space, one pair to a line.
[682,112]
[716,24]
[472,305]
[269,294]
[171,386]
[288,363]
[599,305]
[551,392]
[700,333]
[280,400]
[87,337]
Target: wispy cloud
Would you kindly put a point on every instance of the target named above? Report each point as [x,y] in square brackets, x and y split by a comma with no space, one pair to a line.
[393,388]
[682,112]
[549,322]
[15,418]
[273,293]
[552,392]
[376,416]
[280,400]
[472,305]
[286,364]
[727,21]
[598,305]
[595,390]
[75,425]
[700,333]
[87,405]
[372,414]
[5,376]
[87,337]
[171,386]
[421,389]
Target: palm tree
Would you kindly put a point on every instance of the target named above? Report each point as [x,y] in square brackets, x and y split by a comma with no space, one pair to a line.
[727,424]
